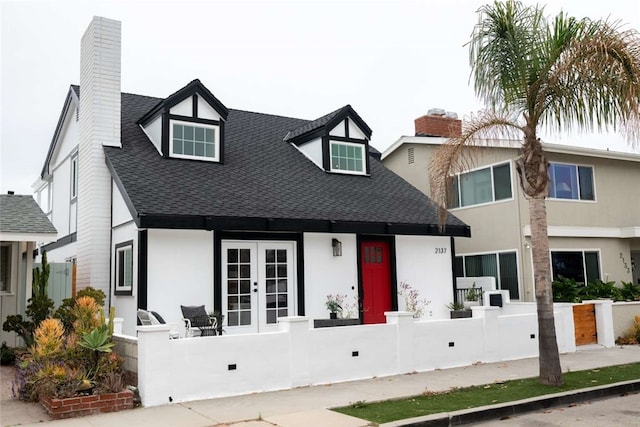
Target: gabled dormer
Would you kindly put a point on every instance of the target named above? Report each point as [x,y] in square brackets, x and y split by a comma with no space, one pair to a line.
[337,142]
[188,124]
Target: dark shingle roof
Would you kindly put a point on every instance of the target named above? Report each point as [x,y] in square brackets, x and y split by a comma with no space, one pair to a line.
[313,125]
[263,177]
[21,214]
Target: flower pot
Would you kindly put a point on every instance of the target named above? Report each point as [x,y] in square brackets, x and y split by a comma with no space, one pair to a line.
[469,304]
[333,315]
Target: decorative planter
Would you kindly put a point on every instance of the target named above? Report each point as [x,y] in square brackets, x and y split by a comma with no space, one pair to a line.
[333,316]
[461,314]
[327,323]
[87,405]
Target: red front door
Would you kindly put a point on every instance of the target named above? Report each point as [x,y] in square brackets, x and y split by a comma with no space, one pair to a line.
[376,281]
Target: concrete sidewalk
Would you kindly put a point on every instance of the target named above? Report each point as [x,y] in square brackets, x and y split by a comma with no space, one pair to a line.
[308,406]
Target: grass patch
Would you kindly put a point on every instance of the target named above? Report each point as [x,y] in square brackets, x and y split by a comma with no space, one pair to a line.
[472,397]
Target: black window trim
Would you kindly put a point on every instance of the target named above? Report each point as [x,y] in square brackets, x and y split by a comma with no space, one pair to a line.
[118,289]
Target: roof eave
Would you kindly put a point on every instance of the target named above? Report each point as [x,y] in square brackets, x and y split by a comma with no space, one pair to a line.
[9,236]
[204,222]
[72,97]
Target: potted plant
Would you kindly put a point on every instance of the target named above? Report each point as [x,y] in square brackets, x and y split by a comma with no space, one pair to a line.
[333,305]
[472,297]
[458,311]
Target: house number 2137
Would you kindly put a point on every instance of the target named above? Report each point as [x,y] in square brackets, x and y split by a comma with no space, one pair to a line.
[441,250]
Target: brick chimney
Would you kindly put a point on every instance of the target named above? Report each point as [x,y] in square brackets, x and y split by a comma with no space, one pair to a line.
[437,122]
[99,124]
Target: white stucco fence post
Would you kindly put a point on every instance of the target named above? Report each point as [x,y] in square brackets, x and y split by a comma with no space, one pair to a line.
[298,329]
[154,364]
[117,325]
[494,347]
[565,327]
[604,322]
[405,328]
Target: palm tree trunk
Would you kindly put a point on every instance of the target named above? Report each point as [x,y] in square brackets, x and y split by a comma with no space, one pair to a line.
[550,370]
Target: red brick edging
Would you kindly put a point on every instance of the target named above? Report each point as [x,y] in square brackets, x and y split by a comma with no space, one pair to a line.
[87,405]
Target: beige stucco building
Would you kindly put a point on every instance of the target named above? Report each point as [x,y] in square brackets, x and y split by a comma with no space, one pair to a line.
[593,209]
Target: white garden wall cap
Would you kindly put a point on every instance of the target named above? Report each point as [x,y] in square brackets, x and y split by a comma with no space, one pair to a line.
[154,328]
[293,319]
[398,314]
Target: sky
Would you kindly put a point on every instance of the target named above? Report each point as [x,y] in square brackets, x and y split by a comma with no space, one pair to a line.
[392,60]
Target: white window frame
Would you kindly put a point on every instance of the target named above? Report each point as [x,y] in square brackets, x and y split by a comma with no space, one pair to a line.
[493,185]
[216,132]
[363,148]
[74,177]
[579,200]
[121,288]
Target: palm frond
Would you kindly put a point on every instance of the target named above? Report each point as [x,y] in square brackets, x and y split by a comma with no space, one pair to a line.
[504,54]
[459,152]
[594,83]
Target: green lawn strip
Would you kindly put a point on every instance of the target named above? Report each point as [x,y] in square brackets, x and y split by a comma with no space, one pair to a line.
[472,397]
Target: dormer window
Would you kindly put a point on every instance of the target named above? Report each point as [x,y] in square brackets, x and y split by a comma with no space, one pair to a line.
[347,157]
[337,142]
[194,141]
[188,125]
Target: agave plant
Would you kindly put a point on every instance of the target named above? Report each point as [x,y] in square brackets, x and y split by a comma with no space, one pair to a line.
[98,340]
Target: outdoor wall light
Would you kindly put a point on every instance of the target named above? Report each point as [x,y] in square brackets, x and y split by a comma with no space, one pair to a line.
[337,247]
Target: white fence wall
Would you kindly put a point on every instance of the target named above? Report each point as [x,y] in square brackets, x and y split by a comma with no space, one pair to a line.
[297,355]
[623,317]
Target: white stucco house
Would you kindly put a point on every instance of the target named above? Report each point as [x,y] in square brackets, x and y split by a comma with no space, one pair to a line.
[172,201]
[22,224]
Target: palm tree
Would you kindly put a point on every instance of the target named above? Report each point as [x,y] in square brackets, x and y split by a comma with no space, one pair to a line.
[530,71]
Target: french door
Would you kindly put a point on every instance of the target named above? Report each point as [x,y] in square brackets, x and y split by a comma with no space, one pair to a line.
[257,285]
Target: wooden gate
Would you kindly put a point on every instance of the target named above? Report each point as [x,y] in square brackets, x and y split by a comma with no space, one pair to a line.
[584,319]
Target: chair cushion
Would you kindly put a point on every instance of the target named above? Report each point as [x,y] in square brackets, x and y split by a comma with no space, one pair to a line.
[192,311]
[196,314]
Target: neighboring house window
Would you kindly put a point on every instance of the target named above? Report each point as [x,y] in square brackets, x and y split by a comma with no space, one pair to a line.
[5,267]
[576,265]
[503,266]
[124,268]
[74,177]
[571,182]
[194,141]
[481,186]
[347,157]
